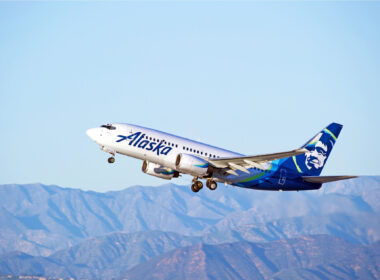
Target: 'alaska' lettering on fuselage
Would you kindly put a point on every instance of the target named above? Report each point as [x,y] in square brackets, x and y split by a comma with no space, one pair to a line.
[136,139]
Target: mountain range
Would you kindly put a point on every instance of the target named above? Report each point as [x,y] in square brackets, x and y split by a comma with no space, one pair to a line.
[154,255]
[61,232]
[39,219]
[308,257]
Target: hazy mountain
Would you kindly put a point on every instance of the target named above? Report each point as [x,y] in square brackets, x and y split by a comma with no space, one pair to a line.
[39,220]
[110,257]
[104,257]
[310,257]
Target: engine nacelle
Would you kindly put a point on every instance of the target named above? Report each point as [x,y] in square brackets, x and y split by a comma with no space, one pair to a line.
[159,170]
[193,165]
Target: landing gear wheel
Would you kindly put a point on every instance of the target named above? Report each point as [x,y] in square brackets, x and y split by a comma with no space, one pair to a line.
[199,184]
[194,188]
[212,185]
[111,160]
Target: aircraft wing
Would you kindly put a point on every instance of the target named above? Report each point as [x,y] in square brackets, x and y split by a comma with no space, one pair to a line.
[244,162]
[325,179]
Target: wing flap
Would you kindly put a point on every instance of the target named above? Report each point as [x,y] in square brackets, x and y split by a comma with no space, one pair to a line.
[325,179]
[245,160]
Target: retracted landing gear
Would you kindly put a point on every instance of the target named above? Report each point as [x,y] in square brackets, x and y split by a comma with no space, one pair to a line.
[197,185]
[111,160]
[211,184]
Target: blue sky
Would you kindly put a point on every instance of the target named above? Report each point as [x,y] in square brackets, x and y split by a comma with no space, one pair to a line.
[252,77]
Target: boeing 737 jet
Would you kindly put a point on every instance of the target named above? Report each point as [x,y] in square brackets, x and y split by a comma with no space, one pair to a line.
[167,156]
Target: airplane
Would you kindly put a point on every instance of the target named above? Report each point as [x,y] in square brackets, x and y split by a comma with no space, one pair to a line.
[167,156]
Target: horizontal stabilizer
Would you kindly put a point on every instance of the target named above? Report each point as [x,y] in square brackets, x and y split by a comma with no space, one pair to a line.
[325,179]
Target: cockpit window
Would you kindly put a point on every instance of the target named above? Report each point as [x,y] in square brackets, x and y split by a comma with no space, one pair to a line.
[109,126]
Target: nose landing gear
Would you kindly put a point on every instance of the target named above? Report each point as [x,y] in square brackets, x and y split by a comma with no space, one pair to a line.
[111,152]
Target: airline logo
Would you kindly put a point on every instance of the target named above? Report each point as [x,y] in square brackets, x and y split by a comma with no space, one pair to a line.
[137,140]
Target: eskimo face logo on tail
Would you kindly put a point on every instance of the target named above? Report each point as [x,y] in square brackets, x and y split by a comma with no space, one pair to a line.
[319,149]
[136,140]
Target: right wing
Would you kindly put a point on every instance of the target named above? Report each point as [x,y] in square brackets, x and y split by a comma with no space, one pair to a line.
[244,162]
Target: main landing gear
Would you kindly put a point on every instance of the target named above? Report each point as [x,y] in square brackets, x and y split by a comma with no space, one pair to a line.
[212,185]
[198,185]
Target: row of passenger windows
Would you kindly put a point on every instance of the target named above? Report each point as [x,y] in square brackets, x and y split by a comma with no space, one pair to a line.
[199,152]
[183,147]
[158,140]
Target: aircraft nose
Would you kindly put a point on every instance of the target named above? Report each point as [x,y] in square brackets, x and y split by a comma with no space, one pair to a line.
[93,133]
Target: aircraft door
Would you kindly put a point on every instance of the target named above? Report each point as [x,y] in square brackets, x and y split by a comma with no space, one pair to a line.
[282,179]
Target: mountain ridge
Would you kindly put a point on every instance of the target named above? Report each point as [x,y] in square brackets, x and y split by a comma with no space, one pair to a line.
[323,255]
[317,257]
[60,232]
[40,220]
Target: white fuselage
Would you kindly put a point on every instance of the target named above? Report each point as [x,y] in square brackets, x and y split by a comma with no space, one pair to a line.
[167,156]
[152,145]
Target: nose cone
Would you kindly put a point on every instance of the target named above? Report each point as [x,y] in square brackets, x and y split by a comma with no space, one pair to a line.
[93,133]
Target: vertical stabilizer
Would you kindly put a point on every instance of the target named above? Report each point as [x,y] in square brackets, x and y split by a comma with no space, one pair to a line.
[319,147]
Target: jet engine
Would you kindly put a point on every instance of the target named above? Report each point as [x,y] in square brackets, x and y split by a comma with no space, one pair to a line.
[193,165]
[158,170]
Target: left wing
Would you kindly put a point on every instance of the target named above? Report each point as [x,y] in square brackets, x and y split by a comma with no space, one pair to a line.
[242,163]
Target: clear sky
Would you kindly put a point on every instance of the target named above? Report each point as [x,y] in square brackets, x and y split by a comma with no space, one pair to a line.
[252,77]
